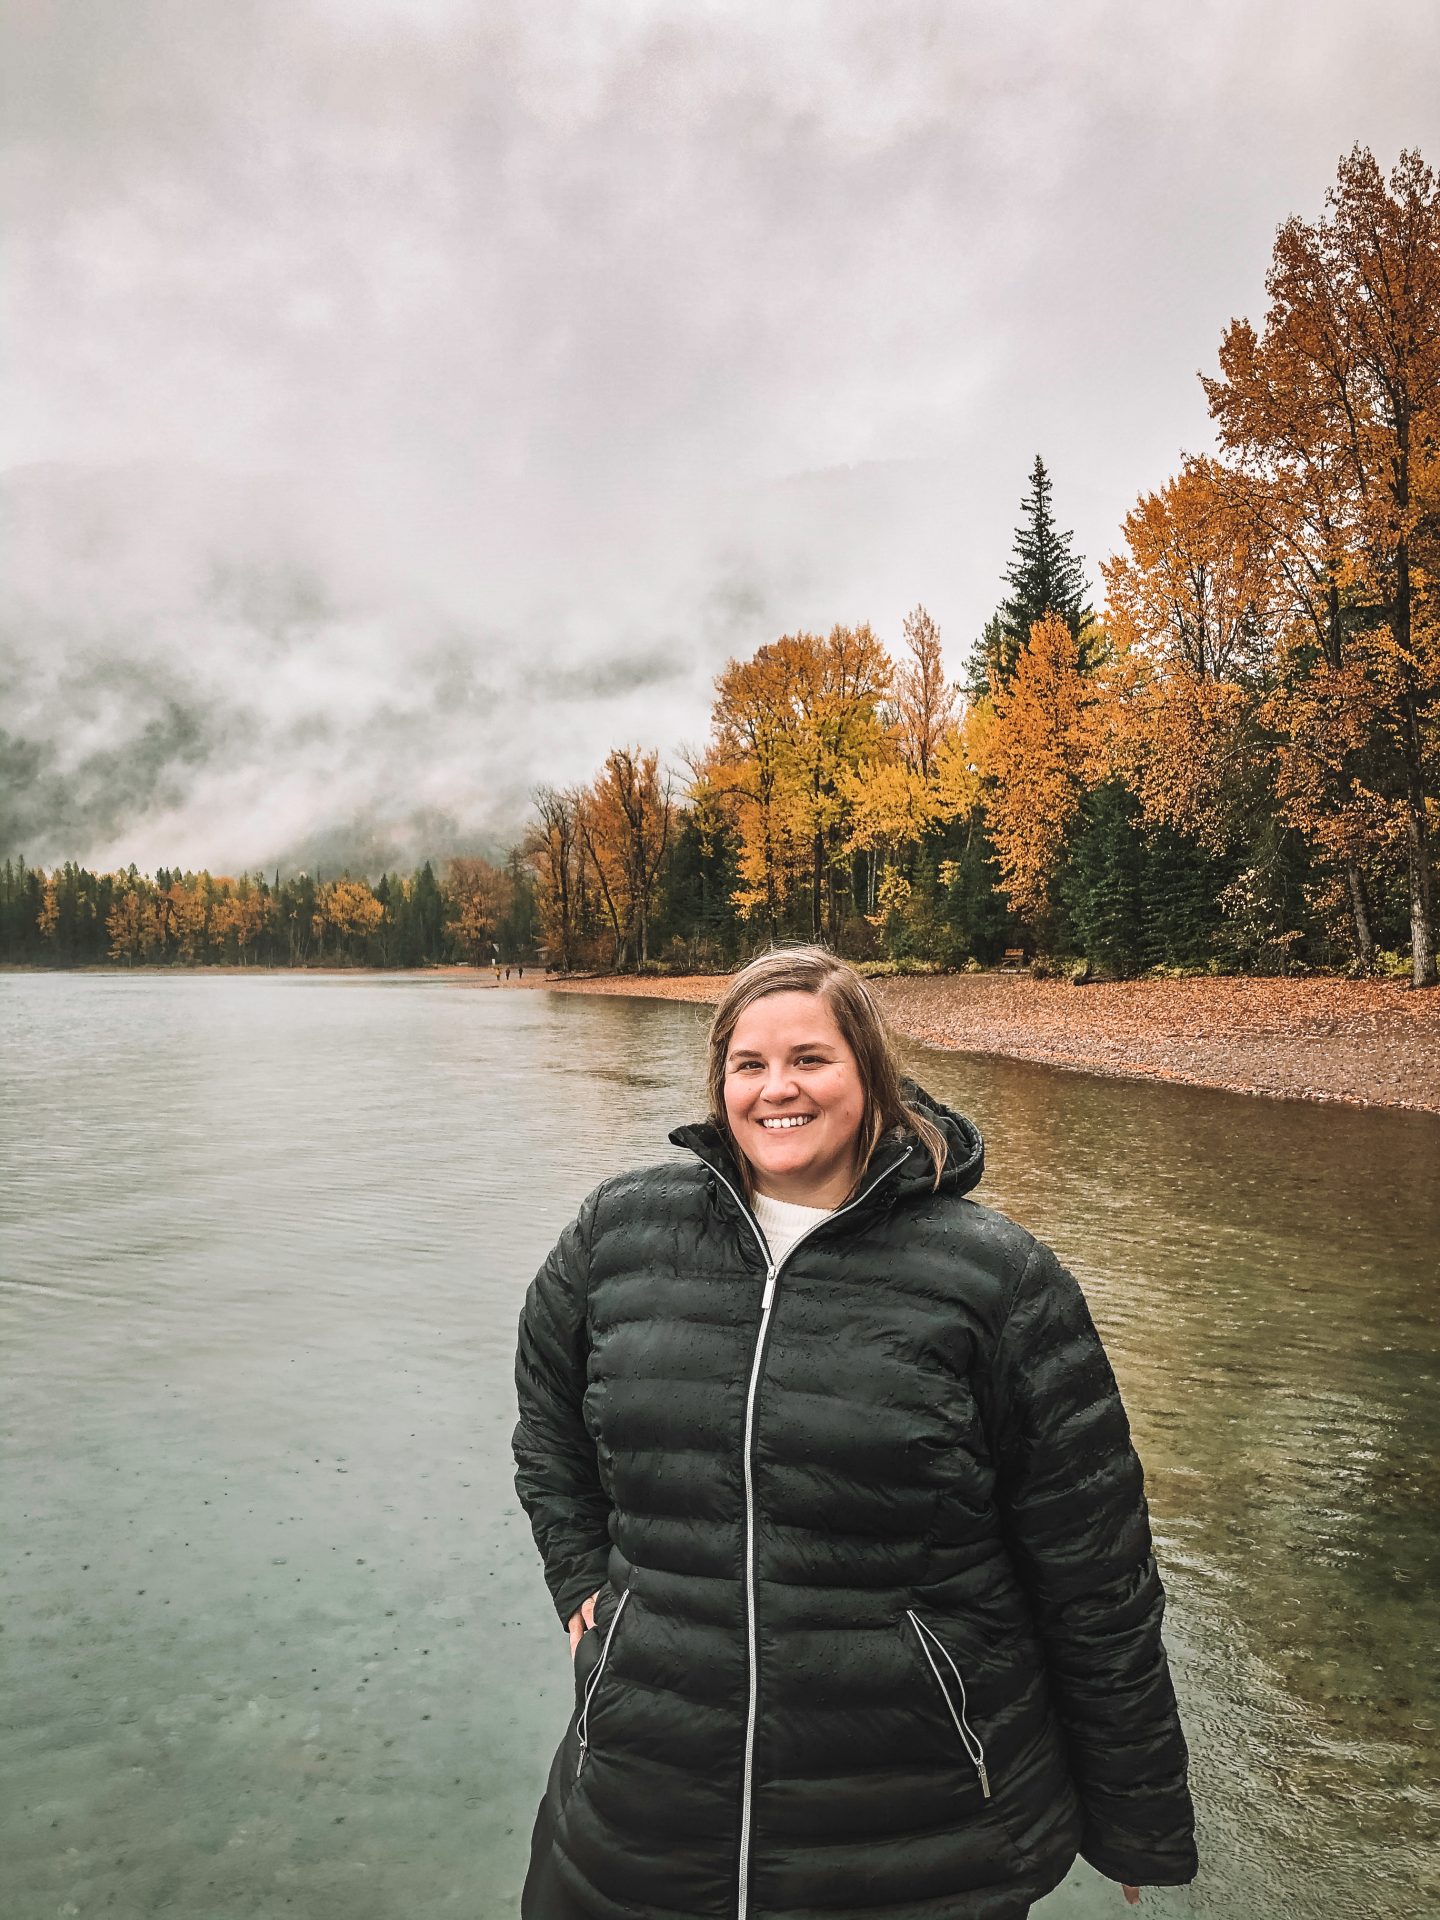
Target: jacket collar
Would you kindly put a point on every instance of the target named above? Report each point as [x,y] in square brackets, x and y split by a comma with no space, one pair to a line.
[892,1172]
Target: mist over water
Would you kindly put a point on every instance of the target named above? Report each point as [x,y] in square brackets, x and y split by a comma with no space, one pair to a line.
[403,402]
[276,1633]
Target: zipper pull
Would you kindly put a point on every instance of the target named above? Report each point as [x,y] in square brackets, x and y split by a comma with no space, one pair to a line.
[984,1779]
[769,1293]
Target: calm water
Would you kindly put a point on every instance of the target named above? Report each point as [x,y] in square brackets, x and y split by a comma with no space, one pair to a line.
[275,1633]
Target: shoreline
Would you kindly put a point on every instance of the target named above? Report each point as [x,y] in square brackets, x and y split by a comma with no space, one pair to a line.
[1359,1043]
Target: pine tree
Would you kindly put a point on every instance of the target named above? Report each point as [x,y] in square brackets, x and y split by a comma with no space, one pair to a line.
[1183,883]
[1101,887]
[1044,577]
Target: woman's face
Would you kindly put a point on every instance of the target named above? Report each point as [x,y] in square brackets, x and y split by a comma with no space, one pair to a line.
[793,1098]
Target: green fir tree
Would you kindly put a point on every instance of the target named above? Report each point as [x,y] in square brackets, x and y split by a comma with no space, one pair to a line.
[1044,577]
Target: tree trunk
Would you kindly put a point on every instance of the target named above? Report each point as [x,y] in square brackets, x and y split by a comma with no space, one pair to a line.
[1360,911]
[1422,912]
[1422,907]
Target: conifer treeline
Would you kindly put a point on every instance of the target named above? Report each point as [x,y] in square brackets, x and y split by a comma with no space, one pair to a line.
[71,917]
[1237,765]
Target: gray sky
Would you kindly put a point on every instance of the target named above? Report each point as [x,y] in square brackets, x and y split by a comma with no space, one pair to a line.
[405,401]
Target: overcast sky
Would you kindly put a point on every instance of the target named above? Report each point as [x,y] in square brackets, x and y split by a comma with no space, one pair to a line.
[404,401]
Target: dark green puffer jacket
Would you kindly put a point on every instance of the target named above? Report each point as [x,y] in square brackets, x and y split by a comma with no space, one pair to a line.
[879,1623]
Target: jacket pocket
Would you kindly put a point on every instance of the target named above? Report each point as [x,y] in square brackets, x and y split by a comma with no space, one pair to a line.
[592,1683]
[951,1683]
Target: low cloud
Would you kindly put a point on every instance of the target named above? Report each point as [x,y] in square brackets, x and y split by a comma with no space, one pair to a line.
[408,400]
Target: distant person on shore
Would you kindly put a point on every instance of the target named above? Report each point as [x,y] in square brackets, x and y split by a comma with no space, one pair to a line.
[836,1497]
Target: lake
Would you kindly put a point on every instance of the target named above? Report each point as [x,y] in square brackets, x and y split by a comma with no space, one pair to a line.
[275,1633]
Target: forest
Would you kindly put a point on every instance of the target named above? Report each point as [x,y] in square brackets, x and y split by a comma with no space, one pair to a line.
[1231,766]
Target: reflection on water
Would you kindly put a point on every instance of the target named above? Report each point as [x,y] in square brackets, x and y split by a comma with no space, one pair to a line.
[1264,1274]
[276,1631]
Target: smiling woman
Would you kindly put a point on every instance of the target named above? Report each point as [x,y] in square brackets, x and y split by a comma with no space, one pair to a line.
[794,1099]
[836,1496]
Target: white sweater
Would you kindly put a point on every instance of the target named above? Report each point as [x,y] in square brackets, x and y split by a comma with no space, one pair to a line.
[782,1223]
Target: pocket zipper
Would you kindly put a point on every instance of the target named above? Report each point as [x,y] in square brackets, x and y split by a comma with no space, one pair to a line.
[962,1726]
[582,1725]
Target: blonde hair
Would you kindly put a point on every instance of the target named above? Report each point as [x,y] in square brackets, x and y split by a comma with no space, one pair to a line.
[856,1013]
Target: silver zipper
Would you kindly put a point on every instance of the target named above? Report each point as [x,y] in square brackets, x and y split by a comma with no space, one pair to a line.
[582,1725]
[962,1725]
[772,1269]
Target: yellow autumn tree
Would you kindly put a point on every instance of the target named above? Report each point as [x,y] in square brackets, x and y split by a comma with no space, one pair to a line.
[1037,749]
[840,686]
[190,916]
[480,895]
[889,806]
[344,909]
[748,773]
[241,912]
[894,798]
[125,924]
[791,726]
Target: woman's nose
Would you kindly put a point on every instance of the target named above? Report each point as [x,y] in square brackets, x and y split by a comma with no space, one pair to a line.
[779,1083]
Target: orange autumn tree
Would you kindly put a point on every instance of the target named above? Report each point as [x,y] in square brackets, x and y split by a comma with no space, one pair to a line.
[1333,410]
[1190,618]
[1037,752]
[925,704]
[623,825]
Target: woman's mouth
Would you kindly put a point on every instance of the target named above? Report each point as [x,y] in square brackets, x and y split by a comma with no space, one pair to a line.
[780,1122]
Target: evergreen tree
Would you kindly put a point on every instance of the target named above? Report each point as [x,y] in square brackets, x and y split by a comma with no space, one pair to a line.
[696,923]
[429,915]
[970,906]
[1183,884]
[1101,887]
[1044,577]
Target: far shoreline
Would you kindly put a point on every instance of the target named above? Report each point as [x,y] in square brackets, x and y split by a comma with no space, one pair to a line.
[1360,1043]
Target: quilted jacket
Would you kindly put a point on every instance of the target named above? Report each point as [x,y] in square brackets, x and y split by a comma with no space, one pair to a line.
[878,1633]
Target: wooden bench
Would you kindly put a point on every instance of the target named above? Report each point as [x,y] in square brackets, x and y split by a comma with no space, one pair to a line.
[1014,957]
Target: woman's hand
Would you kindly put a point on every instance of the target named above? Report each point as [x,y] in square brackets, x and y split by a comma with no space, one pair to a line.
[585,1617]
[1132,1894]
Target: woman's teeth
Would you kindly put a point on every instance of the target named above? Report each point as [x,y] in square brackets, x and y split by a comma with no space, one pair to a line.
[790,1120]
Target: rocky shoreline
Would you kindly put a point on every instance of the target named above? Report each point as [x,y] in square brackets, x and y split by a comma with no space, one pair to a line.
[1367,1043]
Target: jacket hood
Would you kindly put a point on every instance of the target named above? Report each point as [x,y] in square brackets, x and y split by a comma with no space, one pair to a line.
[913,1174]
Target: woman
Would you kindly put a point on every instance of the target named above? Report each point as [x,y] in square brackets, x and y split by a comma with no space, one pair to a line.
[836,1496]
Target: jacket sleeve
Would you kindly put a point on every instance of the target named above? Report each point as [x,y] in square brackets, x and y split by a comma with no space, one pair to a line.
[556,1472]
[1072,1495]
